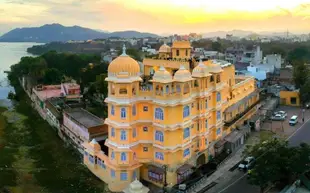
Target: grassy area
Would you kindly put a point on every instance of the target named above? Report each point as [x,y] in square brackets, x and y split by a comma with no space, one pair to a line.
[36,159]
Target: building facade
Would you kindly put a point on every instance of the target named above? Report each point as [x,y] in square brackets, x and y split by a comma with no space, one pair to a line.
[159,130]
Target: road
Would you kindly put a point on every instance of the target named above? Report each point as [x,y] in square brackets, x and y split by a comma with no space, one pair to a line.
[241,185]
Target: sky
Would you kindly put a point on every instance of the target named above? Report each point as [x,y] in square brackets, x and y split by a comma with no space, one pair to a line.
[160,16]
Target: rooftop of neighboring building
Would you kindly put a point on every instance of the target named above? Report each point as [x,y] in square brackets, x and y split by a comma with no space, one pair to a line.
[47,91]
[181,44]
[71,85]
[84,117]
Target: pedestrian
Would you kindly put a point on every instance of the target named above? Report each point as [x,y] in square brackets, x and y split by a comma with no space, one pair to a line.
[303,120]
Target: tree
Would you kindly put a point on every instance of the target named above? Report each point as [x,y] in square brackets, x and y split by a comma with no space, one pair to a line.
[299,53]
[134,53]
[276,163]
[52,76]
[300,73]
[304,92]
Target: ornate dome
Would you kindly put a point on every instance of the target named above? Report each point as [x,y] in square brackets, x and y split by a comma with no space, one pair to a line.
[136,185]
[214,66]
[162,75]
[124,66]
[182,75]
[201,70]
[164,48]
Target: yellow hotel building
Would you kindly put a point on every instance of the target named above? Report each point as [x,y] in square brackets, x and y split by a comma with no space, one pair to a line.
[163,127]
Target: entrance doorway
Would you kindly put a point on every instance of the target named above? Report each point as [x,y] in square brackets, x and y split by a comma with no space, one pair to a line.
[201,160]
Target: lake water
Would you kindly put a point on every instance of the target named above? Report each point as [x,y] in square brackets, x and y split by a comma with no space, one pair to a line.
[10,53]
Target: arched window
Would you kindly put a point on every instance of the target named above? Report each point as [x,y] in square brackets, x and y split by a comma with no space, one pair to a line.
[112,132]
[178,87]
[186,52]
[218,115]
[186,89]
[123,113]
[218,97]
[112,155]
[123,156]
[134,110]
[196,84]
[218,78]
[211,78]
[134,156]
[123,135]
[112,89]
[159,136]
[167,89]
[186,111]
[134,132]
[186,133]
[178,52]
[186,152]
[159,114]
[206,103]
[159,155]
[206,124]
[112,110]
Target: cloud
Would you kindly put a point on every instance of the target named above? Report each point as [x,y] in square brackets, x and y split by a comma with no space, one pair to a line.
[159,16]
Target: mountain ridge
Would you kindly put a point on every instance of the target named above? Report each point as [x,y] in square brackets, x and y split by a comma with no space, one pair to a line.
[57,32]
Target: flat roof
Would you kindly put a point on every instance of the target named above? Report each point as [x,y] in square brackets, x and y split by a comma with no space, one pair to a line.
[84,117]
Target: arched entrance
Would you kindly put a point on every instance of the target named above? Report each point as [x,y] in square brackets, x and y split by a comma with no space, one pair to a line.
[201,160]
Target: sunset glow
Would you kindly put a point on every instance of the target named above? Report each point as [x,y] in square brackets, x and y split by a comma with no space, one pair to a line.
[161,16]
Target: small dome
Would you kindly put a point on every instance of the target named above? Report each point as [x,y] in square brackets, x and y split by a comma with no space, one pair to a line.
[201,70]
[214,66]
[164,49]
[136,185]
[124,66]
[182,75]
[162,75]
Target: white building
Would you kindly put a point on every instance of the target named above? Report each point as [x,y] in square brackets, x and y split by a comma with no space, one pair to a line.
[274,59]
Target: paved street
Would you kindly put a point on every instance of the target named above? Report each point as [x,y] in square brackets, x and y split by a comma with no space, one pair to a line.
[239,184]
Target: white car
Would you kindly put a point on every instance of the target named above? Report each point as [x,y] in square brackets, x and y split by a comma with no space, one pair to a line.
[293,120]
[247,163]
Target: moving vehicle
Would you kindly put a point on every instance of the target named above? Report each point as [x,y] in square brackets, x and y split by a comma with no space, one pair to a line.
[247,163]
[307,105]
[294,120]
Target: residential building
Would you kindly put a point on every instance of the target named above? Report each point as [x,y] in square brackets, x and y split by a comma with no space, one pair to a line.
[81,126]
[71,91]
[162,128]
[290,98]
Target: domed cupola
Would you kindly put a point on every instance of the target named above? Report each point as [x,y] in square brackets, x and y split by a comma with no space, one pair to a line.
[201,70]
[182,75]
[124,68]
[214,66]
[164,49]
[162,75]
[136,187]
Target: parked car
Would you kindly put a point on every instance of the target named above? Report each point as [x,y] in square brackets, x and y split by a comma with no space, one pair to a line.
[293,120]
[247,164]
[279,116]
[308,105]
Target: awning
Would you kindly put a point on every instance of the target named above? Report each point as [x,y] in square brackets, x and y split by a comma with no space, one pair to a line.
[220,143]
[233,136]
[184,168]
[242,101]
[156,169]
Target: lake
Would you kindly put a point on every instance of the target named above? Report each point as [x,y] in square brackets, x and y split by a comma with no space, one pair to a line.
[10,53]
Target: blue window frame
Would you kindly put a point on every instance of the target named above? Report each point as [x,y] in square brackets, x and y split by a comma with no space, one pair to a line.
[134,175]
[159,136]
[186,152]
[112,173]
[159,114]
[167,89]
[123,135]
[206,124]
[91,159]
[112,110]
[124,176]
[85,153]
[218,131]
[218,115]
[186,133]
[112,132]
[159,155]
[134,110]
[112,155]
[123,113]
[186,111]
[123,156]
[218,97]
[178,87]
[102,164]
[134,132]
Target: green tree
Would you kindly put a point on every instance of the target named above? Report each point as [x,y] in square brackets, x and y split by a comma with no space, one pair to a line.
[132,52]
[299,53]
[216,46]
[52,76]
[300,73]
[276,163]
[304,92]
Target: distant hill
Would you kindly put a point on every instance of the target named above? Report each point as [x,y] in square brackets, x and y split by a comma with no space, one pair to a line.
[57,32]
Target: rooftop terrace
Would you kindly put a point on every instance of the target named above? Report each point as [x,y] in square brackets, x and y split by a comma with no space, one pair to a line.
[84,117]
